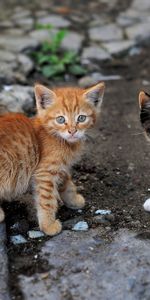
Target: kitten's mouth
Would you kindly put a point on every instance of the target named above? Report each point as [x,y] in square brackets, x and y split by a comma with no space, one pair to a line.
[72,139]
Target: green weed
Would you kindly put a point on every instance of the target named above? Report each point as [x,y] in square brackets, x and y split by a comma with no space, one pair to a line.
[52,61]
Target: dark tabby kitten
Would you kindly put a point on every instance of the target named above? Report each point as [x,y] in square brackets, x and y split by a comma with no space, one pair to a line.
[144,102]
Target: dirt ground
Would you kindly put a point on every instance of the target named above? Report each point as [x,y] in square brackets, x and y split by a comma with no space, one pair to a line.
[113,173]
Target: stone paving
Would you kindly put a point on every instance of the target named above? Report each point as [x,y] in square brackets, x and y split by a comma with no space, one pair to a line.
[97,38]
[86,268]
[101,38]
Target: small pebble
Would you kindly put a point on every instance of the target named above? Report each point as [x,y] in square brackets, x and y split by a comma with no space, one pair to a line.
[18,239]
[44,275]
[80,226]
[91,248]
[134,51]
[146,205]
[7,88]
[34,234]
[102,212]
[145,82]
[108,228]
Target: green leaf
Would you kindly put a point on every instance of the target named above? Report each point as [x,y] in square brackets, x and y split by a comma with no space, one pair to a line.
[57,39]
[46,47]
[50,71]
[69,57]
[54,59]
[77,70]
[51,60]
[43,59]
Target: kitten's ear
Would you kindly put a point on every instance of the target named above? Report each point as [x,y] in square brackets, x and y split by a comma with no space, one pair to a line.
[95,94]
[143,98]
[44,96]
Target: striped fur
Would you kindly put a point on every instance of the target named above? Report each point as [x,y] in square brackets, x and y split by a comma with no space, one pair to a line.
[144,102]
[41,150]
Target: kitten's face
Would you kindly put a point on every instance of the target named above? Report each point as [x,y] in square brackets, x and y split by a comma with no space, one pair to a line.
[144,102]
[69,112]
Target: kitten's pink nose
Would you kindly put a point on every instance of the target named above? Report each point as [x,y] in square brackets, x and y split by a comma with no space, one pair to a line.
[72,130]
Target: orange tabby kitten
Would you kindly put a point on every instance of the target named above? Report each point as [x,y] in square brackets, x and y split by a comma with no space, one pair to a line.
[41,150]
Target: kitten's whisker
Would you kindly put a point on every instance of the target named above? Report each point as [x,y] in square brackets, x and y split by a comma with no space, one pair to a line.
[138,133]
[89,138]
[144,110]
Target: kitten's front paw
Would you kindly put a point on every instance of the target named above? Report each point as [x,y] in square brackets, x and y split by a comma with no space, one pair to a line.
[146,205]
[2,215]
[53,229]
[78,203]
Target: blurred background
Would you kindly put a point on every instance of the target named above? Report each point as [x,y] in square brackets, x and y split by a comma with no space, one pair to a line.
[79,42]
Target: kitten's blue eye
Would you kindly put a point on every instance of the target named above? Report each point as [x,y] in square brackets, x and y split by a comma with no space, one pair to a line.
[60,120]
[81,118]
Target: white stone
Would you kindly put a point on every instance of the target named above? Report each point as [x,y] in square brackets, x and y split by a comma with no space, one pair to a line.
[7,56]
[102,212]
[143,5]
[20,13]
[124,20]
[135,51]
[108,32]
[26,24]
[7,69]
[34,234]
[146,205]
[146,83]
[25,63]
[7,87]
[40,13]
[16,43]
[87,81]
[95,52]
[42,35]
[17,239]
[99,20]
[136,15]
[6,24]
[55,20]
[72,41]
[139,32]
[14,32]
[115,48]
[81,226]
[17,98]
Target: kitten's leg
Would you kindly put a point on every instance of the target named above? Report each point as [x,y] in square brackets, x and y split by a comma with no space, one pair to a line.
[2,215]
[69,195]
[47,204]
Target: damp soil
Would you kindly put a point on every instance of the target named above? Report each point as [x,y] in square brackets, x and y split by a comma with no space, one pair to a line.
[113,173]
